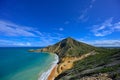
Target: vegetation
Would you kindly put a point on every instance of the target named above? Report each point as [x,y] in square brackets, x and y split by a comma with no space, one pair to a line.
[106,61]
[69,47]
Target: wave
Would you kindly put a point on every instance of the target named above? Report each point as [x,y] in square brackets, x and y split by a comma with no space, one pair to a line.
[45,75]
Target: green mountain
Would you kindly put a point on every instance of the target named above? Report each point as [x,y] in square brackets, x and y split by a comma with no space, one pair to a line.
[69,47]
[103,65]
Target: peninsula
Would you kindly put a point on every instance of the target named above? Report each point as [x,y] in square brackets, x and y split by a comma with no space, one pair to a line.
[82,61]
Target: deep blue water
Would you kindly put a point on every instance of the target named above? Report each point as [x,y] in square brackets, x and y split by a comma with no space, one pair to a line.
[19,64]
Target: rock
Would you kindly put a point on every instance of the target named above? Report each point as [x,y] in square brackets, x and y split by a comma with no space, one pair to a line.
[31,50]
[100,76]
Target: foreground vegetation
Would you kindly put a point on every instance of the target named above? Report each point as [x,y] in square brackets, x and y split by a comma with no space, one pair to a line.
[105,61]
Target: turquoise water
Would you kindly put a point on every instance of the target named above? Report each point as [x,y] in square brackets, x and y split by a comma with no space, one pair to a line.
[19,64]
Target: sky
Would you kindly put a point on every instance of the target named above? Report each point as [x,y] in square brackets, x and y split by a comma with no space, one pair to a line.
[45,22]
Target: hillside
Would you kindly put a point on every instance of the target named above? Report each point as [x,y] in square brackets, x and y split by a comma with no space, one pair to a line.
[80,61]
[103,66]
[69,48]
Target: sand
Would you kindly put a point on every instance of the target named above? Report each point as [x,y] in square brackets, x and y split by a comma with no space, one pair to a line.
[53,73]
[66,63]
[58,69]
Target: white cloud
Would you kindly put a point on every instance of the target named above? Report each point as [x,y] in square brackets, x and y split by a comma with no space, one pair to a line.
[26,36]
[107,43]
[106,28]
[103,43]
[11,29]
[61,29]
[84,16]
[49,39]
[91,4]
[4,42]
[44,40]
[22,44]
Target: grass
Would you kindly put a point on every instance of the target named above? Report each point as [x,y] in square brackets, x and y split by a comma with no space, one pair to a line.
[108,69]
[99,59]
[103,58]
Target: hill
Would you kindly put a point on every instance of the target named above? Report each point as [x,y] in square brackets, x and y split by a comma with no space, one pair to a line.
[69,48]
[81,61]
[102,66]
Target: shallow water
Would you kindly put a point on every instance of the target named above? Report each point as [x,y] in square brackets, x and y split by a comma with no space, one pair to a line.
[19,64]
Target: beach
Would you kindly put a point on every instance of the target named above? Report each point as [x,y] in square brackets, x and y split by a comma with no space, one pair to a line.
[53,74]
[48,75]
[66,63]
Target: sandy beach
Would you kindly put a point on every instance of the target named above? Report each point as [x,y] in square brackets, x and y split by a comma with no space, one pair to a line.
[58,69]
[67,63]
[53,73]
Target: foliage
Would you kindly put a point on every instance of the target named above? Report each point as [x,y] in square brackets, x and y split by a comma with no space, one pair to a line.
[104,57]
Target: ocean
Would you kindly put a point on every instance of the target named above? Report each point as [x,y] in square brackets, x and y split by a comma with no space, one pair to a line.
[16,63]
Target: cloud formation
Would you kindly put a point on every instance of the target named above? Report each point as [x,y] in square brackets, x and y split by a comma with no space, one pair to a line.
[49,38]
[106,28]
[61,29]
[33,37]
[107,43]
[44,40]
[22,44]
[11,29]
[4,43]
[84,16]
[102,43]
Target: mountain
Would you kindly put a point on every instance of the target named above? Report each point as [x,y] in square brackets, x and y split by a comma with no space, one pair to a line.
[68,48]
[81,61]
[105,65]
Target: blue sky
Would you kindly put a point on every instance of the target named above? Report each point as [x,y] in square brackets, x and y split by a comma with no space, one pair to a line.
[45,22]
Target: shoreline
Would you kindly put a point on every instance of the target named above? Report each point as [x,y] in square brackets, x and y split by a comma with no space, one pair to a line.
[67,63]
[46,74]
[53,74]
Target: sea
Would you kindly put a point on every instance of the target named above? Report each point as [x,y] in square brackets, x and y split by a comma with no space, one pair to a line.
[16,63]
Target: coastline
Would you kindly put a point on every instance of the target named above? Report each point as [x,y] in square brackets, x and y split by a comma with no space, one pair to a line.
[53,74]
[67,63]
[46,74]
